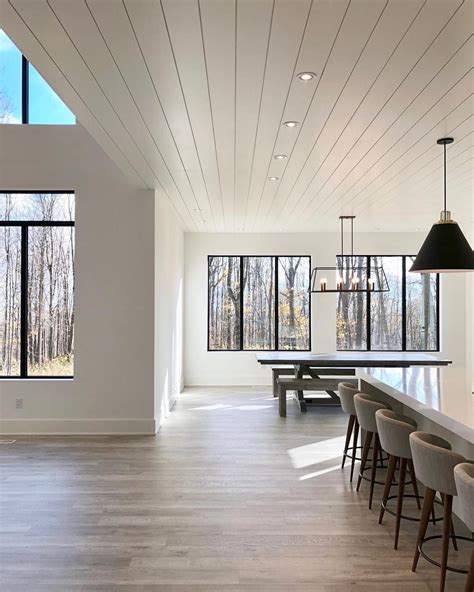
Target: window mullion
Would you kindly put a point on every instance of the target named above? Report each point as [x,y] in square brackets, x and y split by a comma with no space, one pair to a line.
[404,304]
[24,303]
[275,332]
[241,311]
[25,91]
[368,309]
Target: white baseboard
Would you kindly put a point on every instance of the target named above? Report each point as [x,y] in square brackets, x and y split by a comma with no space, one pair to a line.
[78,427]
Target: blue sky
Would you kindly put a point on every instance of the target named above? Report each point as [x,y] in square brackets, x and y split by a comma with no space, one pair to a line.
[45,105]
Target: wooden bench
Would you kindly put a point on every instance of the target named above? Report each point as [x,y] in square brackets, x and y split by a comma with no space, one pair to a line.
[278,371]
[307,384]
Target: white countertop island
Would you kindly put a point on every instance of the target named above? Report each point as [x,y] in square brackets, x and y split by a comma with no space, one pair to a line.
[441,396]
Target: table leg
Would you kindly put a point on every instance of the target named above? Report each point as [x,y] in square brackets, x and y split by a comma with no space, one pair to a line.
[299,396]
[282,400]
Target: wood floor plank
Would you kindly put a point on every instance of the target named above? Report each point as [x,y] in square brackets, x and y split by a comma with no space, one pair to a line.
[228,497]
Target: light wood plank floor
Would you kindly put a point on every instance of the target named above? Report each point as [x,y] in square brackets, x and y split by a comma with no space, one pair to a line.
[228,497]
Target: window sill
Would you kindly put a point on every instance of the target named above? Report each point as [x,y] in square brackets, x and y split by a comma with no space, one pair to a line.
[37,378]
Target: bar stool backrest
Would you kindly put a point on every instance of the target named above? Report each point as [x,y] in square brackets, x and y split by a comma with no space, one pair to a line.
[346,394]
[434,462]
[394,432]
[464,478]
[366,407]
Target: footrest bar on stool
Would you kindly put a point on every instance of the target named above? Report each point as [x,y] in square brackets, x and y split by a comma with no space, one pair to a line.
[412,518]
[432,561]
[366,468]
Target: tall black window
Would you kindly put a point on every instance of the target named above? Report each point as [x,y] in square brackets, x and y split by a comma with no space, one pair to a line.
[259,303]
[406,318]
[36,284]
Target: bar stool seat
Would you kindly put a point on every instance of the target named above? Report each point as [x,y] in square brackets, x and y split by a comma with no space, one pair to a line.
[434,463]
[464,479]
[366,406]
[394,434]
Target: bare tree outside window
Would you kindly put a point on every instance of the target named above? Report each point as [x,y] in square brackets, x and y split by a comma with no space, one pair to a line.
[386,320]
[258,303]
[405,318]
[351,316]
[293,303]
[40,284]
[421,305]
[10,290]
[224,303]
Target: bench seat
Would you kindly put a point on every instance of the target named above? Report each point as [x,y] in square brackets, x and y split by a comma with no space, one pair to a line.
[285,384]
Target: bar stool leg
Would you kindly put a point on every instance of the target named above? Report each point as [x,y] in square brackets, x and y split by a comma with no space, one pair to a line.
[448,504]
[470,576]
[414,483]
[365,454]
[401,490]
[350,426]
[354,446]
[425,515]
[374,468]
[392,462]
[453,534]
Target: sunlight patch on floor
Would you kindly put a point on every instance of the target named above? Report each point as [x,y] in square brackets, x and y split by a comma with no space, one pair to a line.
[318,473]
[311,454]
[220,406]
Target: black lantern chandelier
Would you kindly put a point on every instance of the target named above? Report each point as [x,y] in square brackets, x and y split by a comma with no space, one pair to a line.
[346,276]
[445,248]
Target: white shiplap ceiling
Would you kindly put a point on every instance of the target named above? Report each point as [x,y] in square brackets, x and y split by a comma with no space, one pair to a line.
[190,96]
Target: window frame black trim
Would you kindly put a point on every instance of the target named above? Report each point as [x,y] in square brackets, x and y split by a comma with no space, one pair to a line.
[24,225]
[241,298]
[368,313]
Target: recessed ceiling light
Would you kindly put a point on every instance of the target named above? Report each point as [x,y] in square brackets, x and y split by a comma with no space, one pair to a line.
[273,178]
[290,123]
[197,210]
[305,76]
[280,156]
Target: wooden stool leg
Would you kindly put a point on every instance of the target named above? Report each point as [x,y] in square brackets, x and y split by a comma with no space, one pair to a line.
[448,504]
[453,534]
[470,576]
[401,490]
[350,426]
[365,454]
[374,468]
[425,516]
[392,462]
[354,446]
[414,482]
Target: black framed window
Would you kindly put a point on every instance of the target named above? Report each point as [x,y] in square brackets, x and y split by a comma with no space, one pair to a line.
[25,97]
[37,248]
[259,303]
[406,318]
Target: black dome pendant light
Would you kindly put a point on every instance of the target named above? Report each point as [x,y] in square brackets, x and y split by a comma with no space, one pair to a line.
[445,248]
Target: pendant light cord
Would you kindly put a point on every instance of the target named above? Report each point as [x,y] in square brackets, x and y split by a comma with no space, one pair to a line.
[445,177]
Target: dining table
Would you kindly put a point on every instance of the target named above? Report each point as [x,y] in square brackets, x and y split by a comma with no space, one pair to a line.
[308,363]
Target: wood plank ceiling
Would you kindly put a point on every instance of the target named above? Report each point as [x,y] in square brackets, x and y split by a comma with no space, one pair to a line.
[191,96]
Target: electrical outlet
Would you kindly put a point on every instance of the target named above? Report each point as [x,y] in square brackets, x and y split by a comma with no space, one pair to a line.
[19,403]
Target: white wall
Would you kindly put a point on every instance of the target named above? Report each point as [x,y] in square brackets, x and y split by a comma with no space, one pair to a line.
[169,277]
[233,368]
[114,299]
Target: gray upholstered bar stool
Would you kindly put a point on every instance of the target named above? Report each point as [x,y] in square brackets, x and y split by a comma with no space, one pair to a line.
[394,434]
[434,464]
[347,391]
[464,479]
[366,407]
